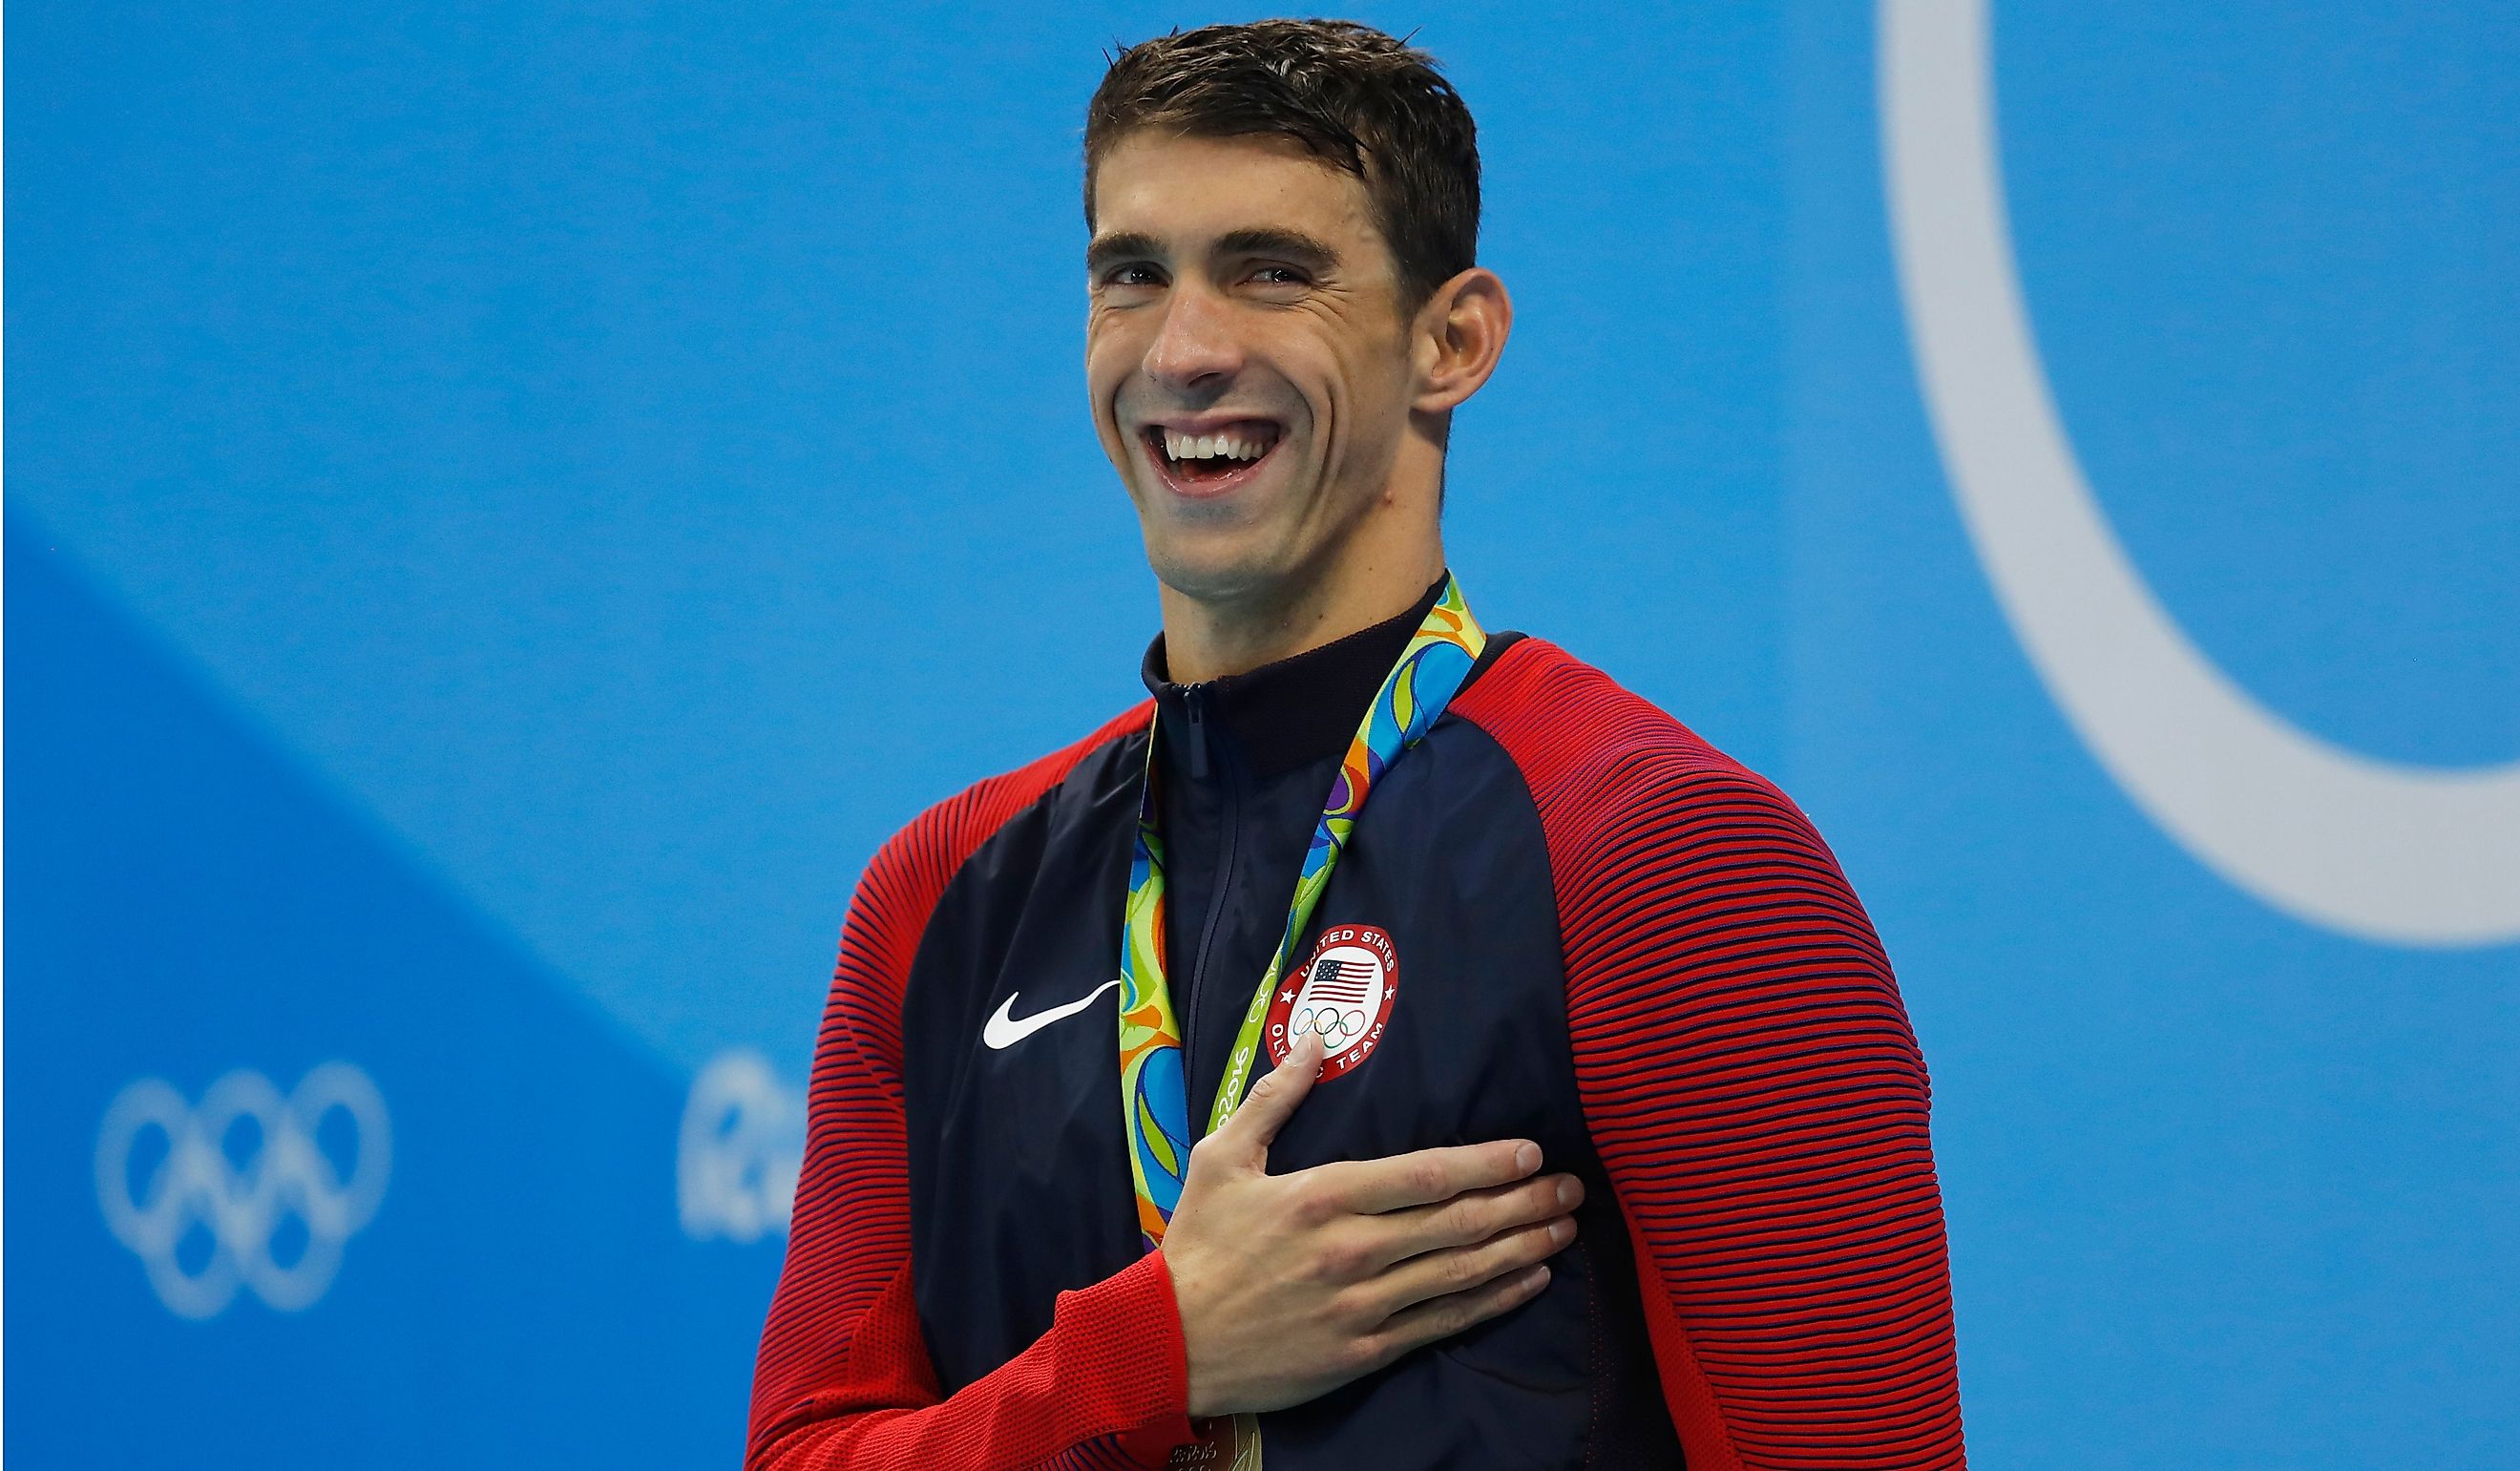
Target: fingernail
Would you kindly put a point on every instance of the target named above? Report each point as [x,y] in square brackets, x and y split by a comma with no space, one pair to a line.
[1537,1278]
[1527,1158]
[1569,1194]
[1562,1232]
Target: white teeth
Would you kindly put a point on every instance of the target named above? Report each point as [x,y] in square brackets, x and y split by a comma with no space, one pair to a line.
[1212,446]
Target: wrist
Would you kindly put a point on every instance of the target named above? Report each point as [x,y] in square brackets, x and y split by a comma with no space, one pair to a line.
[1122,1338]
[1192,1400]
[1162,1310]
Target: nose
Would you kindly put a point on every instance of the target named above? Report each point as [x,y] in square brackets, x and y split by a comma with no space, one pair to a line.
[1195,347]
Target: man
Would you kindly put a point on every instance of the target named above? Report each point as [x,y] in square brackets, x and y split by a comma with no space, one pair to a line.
[1461,902]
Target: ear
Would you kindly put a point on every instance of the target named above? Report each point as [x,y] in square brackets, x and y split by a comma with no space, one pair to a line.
[1458,335]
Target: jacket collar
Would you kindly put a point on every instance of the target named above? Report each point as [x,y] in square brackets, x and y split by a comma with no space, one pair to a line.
[1283,715]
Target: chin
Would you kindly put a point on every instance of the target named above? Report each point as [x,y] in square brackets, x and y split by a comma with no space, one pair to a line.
[1213,573]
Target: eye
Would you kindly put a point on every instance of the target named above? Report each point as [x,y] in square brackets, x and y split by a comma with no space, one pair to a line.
[1136,273]
[1279,276]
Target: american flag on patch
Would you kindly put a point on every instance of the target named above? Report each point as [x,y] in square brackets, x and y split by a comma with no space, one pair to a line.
[1338,980]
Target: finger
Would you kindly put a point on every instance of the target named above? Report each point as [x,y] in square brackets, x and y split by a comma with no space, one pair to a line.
[1273,1100]
[1371,1186]
[1472,1216]
[1458,1269]
[1443,1316]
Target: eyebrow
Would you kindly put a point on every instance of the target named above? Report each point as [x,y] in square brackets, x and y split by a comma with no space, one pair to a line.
[1303,250]
[1127,245]
[1292,244]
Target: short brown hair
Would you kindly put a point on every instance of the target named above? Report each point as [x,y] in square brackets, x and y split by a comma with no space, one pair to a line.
[1350,95]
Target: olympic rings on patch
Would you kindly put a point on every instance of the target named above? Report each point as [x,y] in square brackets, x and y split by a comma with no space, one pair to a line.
[1337,1024]
[242,1205]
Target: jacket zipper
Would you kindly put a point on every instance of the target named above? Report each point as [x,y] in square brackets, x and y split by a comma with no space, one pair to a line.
[1195,704]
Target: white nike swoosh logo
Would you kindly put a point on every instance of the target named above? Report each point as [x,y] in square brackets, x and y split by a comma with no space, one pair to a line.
[1003,1031]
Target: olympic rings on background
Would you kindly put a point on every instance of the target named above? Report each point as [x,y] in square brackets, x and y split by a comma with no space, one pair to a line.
[242,1206]
[742,1141]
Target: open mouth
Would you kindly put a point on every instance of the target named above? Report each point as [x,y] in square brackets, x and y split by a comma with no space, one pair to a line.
[1206,464]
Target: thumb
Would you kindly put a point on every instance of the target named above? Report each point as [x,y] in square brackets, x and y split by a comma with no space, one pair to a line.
[1274,1100]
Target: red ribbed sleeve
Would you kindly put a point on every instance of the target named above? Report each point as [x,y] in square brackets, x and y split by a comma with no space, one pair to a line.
[1751,1081]
[843,1377]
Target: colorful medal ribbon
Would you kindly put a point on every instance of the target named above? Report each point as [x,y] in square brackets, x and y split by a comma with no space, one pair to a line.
[1155,1096]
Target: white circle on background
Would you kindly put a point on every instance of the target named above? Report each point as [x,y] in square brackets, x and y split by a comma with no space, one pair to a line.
[2410,855]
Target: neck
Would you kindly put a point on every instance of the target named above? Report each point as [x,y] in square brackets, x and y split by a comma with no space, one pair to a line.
[1208,639]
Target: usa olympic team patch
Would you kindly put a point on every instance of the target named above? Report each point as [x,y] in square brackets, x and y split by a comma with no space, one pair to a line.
[1343,992]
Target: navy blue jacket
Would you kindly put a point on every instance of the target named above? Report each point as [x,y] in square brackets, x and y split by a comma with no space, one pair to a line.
[966,1285]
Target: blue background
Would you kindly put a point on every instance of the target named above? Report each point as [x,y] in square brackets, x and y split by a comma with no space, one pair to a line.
[509,506]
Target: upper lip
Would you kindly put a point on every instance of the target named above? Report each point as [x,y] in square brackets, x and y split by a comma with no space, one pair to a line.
[1210,423]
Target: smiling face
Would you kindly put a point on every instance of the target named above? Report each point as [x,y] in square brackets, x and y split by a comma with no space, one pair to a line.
[1253,376]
